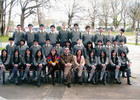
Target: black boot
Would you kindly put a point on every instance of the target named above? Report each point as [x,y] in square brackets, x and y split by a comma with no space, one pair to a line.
[69,85]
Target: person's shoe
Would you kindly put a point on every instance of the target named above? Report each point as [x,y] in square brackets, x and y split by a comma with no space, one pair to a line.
[35,79]
[38,84]
[124,76]
[94,83]
[118,82]
[129,83]
[100,79]
[16,83]
[104,83]
[3,82]
[80,83]
[89,80]
[53,82]
[69,85]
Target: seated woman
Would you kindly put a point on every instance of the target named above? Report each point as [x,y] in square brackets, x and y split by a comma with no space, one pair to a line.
[4,64]
[115,65]
[53,61]
[125,65]
[103,64]
[92,62]
[79,64]
[16,62]
[28,63]
[39,63]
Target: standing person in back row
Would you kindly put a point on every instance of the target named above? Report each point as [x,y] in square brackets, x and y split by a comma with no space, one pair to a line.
[121,36]
[41,35]
[87,36]
[75,34]
[63,35]
[53,36]
[30,35]
[18,35]
[99,36]
[109,36]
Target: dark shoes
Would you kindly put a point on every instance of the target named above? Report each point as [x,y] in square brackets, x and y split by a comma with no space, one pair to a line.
[69,85]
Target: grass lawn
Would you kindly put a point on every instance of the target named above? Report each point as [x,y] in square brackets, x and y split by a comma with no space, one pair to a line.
[133,44]
[4,38]
[126,33]
[1,48]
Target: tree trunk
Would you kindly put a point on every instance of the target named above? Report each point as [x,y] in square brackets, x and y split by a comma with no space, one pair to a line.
[134,26]
[22,18]
[106,24]
[93,25]
[9,19]
[124,24]
[69,22]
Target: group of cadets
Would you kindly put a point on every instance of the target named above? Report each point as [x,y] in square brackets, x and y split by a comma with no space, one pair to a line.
[46,52]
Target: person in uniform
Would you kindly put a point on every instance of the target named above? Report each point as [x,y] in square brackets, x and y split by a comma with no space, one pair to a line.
[41,35]
[10,48]
[40,63]
[16,63]
[88,48]
[92,62]
[4,64]
[67,61]
[121,36]
[87,36]
[53,36]
[98,48]
[64,35]
[30,35]
[99,36]
[79,64]
[115,46]
[125,66]
[18,35]
[115,65]
[75,34]
[103,63]
[58,48]
[28,63]
[79,45]
[109,36]
[68,45]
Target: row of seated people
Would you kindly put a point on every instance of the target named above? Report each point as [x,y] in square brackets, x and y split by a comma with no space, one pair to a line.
[65,62]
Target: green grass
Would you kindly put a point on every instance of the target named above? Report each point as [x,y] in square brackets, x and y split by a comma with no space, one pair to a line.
[4,38]
[133,44]
[1,48]
[126,33]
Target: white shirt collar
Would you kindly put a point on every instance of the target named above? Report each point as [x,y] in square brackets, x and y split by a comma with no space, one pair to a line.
[76,30]
[88,32]
[41,31]
[11,44]
[36,45]
[31,31]
[19,31]
[47,44]
[121,34]
[100,33]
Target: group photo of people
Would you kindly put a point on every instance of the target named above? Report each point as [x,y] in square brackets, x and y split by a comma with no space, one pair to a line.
[67,56]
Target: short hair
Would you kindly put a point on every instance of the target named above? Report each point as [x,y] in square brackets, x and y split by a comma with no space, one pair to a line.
[52,26]
[30,25]
[11,39]
[18,25]
[100,28]
[87,27]
[41,25]
[22,40]
[122,30]
[76,24]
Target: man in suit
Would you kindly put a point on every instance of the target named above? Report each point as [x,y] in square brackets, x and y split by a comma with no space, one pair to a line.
[67,61]
[41,35]
[18,35]
[30,35]
[63,35]
[75,34]
[53,36]
[87,36]
[121,36]
[98,48]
